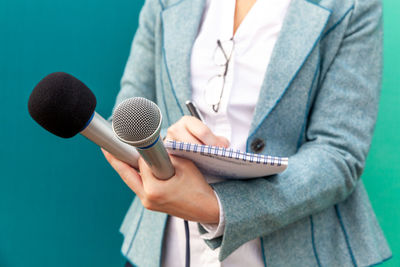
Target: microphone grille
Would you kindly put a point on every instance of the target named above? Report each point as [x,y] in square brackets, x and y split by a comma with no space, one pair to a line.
[136,119]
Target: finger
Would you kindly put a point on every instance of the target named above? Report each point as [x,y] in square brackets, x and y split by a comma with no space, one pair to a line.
[179,132]
[183,136]
[109,157]
[182,164]
[143,167]
[200,131]
[127,173]
[145,171]
[154,190]
[178,162]
[224,142]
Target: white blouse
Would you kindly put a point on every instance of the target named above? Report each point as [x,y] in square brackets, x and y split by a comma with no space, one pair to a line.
[253,43]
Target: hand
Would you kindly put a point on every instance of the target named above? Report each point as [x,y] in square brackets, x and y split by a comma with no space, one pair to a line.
[192,130]
[186,195]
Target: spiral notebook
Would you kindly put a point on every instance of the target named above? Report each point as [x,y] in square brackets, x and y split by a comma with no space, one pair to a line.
[227,163]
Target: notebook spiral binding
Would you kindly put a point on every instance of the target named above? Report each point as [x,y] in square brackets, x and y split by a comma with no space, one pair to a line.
[226,153]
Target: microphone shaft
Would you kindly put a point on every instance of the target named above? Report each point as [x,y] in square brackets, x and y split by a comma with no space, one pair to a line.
[158,160]
[100,132]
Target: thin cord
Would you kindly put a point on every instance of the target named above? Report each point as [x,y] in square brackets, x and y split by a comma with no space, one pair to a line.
[187,264]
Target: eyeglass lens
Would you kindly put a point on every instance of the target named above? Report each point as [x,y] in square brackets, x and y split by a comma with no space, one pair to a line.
[215,86]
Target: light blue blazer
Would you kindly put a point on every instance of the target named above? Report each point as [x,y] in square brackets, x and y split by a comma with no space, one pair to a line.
[317,105]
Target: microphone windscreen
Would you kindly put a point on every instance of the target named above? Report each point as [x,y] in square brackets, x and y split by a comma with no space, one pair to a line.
[62,104]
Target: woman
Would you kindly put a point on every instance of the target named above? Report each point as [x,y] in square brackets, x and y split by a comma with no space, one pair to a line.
[292,78]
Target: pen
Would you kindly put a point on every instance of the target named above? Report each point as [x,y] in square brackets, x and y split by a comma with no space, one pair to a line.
[193,110]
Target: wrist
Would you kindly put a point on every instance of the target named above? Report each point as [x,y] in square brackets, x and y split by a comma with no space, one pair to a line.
[211,210]
[215,230]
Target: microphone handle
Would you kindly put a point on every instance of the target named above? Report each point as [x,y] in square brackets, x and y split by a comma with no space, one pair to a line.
[157,159]
[100,132]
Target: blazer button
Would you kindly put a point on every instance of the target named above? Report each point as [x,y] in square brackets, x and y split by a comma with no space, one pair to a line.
[257,145]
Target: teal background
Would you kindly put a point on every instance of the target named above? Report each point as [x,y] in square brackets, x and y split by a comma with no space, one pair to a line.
[60,202]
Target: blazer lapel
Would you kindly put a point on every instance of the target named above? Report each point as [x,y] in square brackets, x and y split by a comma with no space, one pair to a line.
[301,30]
[180,26]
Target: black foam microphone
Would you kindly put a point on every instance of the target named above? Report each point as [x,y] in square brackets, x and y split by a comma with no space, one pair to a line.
[65,106]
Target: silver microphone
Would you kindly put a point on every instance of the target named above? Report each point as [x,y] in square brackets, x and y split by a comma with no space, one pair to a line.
[100,132]
[137,122]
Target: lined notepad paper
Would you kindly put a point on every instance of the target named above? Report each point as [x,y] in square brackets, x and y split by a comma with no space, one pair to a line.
[227,163]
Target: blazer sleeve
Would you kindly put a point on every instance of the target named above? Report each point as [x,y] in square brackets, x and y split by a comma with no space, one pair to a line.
[138,78]
[327,167]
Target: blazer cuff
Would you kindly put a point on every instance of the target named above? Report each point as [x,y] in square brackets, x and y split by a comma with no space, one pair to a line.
[214,230]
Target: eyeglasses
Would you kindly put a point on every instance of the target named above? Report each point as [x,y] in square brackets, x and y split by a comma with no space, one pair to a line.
[215,86]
